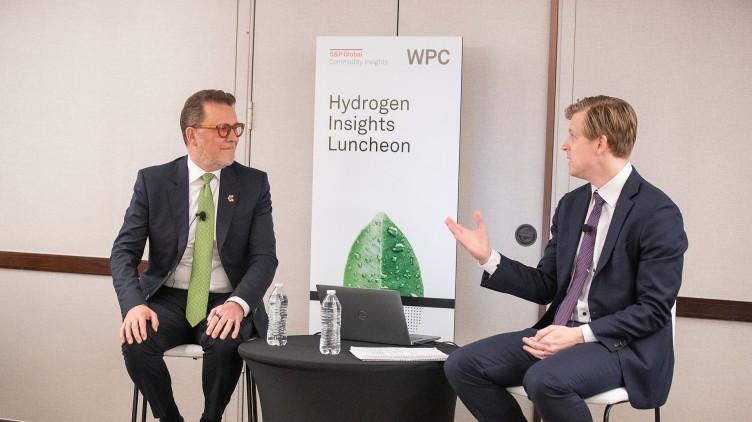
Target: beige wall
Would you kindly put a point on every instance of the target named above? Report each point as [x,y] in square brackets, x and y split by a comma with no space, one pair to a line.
[61,359]
[685,70]
[91,92]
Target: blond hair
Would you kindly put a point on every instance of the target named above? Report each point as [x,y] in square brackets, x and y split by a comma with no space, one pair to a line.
[611,117]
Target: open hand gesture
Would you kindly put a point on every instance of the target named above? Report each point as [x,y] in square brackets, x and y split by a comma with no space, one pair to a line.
[474,241]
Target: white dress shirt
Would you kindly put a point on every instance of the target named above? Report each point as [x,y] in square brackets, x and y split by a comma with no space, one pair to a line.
[219,283]
[610,193]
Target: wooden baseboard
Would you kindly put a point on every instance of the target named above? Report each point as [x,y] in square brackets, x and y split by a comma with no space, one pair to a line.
[58,263]
[724,310]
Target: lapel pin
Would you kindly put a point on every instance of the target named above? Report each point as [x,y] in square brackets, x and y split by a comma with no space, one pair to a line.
[230,198]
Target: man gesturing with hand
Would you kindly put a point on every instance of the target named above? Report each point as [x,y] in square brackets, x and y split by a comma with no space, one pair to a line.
[610,274]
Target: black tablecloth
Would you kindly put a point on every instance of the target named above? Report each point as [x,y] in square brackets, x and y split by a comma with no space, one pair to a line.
[297,383]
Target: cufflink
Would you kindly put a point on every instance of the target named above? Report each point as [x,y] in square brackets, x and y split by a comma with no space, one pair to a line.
[230,198]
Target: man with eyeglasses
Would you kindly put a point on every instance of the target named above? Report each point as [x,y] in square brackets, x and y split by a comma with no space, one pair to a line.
[212,257]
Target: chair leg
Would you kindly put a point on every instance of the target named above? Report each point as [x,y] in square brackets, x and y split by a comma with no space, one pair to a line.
[607,412]
[134,412]
[248,397]
[254,409]
[657,414]
[135,403]
[143,409]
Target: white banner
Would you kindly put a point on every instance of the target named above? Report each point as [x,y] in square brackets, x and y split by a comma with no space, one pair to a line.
[385,171]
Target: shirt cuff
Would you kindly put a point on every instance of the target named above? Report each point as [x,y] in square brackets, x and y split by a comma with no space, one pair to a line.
[587,334]
[493,261]
[242,303]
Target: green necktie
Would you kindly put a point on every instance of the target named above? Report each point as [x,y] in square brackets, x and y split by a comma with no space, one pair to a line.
[198,288]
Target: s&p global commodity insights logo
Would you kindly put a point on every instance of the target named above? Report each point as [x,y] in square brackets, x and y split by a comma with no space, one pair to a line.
[353,56]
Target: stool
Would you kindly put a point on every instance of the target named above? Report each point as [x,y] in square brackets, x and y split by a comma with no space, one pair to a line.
[195,352]
[609,399]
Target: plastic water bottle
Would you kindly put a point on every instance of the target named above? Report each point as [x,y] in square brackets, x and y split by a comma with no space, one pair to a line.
[276,335]
[331,320]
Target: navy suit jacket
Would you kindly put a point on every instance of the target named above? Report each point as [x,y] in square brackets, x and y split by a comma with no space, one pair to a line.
[159,211]
[634,285]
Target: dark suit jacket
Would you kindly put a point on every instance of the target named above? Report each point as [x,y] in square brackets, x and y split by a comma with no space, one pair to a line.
[159,211]
[634,286]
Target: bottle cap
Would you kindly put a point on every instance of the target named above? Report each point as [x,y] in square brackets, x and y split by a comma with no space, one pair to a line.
[331,292]
[277,284]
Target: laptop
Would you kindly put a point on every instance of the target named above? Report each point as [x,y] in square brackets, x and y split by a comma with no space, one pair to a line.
[373,315]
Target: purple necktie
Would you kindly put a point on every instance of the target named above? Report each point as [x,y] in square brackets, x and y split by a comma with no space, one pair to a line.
[582,265]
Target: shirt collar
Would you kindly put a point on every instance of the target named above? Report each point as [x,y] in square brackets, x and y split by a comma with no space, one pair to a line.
[195,172]
[612,189]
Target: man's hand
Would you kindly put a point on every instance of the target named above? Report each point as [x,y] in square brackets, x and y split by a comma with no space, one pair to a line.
[134,324]
[223,318]
[474,241]
[552,340]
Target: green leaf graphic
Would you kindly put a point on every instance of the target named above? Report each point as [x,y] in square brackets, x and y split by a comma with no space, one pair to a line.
[382,258]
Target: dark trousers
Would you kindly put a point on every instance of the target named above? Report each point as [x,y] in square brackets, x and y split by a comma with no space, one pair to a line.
[221,362]
[481,371]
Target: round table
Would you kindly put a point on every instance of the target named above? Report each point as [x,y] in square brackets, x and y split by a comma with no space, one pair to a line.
[297,383]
